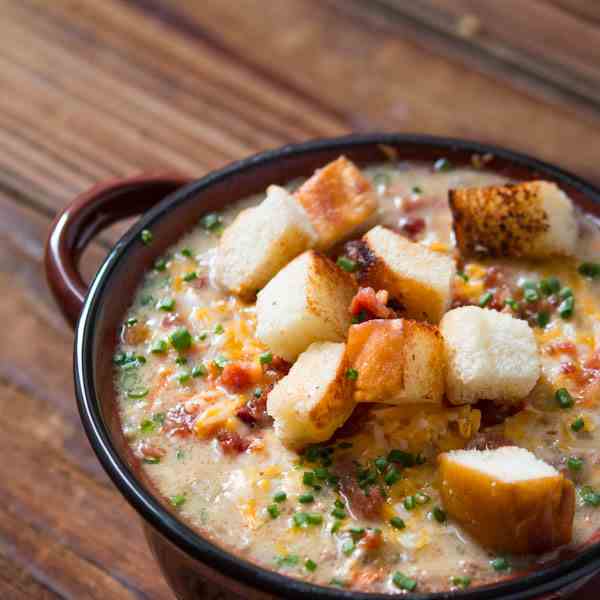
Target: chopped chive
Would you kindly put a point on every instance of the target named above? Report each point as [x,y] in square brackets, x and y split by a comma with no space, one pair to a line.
[146,300]
[461,581]
[151,461]
[321,473]
[314,518]
[485,299]
[166,305]
[399,456]
[160,264]
[417,190]
[219,329]
[357,532]
[397,523]
[336,527]
[577,424]
[392,476]
[186,252]
[338,513]
[181,339]
[306,498]
[590,496]
[280,497]
[181,360]
[138,392]
[203,336]
[513,304]
[410,503]
[565,308]
[184,378]
[308,478]
[199,371]
[273,511]
[381,463]
[347,264]
[530,295]
[178,500]
[190,276]
[564,399]
[257,392]
[310,565]
[179,455]
[590,269]
[146,237]
[300,519]
[575,464]
[500,564]
[337,582]
[442,165]
[266,358]
[439,515]
[159,418]
[543,318]
[290,560]
[147,426]
[131,322]
[348,546]
[404,582]
[211,222]
[338,503]
[421,498]
[159,347]
[352,374]
[549,286]
[463,276]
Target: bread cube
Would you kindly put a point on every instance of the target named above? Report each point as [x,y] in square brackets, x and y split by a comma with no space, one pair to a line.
[337,198]
[419,278]
[490,356]
[306,302]
[398,361]
[314,398]
[507,499]
[260,241]
[532,219]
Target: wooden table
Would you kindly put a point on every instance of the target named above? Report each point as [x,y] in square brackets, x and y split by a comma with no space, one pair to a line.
[96,89]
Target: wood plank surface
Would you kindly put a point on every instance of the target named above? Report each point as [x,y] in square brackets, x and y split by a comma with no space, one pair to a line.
[94,90]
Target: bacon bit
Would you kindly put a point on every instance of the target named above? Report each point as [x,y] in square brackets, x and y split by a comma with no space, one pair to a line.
[593,362]
[171,319]
[254,412]
[494,276]
[150,451]
[239,376]
[366,301]
[361,504]
[179,421]
[135,334]
[199,282]
[561,348]
[232,442]
[372,540]
[568,368]
[498,301]
[366,577]
[459,301]
[412,226]
[279,365]
[359,252]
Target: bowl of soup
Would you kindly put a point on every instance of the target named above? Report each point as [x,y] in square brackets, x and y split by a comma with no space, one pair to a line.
[350,368]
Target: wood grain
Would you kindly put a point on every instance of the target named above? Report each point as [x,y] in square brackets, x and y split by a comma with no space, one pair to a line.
[94,90]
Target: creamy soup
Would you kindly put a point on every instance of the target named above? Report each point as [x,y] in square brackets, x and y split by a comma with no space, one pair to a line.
[363,510]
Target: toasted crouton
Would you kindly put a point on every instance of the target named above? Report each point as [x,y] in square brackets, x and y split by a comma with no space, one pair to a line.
[397,361]
[533,219]
[490,356]
[337,198]
[419,278]
[315,398]
[260,241]
[507,499]
[306,302]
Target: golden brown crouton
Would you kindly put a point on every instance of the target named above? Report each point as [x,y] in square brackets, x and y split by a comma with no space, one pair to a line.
[507,499]
[397,361]
[532,219]
[337,199]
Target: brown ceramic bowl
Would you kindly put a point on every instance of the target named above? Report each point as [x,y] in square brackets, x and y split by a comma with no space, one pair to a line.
[170,204]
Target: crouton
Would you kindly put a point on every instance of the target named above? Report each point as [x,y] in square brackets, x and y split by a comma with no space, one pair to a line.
[306,302]
[490,356]
[533,219]
[507,499]
[337,198]
[419,278]
[314,398]
[397,361]
[260,241]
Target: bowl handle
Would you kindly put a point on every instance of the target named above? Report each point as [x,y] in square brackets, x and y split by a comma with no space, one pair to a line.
[91,212]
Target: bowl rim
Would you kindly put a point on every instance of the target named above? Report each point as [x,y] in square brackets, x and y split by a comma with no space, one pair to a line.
[531,585]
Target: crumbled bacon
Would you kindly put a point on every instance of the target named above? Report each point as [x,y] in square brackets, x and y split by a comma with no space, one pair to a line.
[199,282]
[494,276]
[372,540]
[568,368]
[254,412]
[179,421]
[561,348]
[232,442]
[238,376]
[135,334]
[371,305]
[150,451]
[171,319]
[593,362]
[279,365]
[361,503]
[412,226]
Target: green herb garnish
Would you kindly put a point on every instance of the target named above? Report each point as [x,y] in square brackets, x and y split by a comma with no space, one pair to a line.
[563,398]
[397,523]
[146,237]
[347,264]
[404,582]
[181,339]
